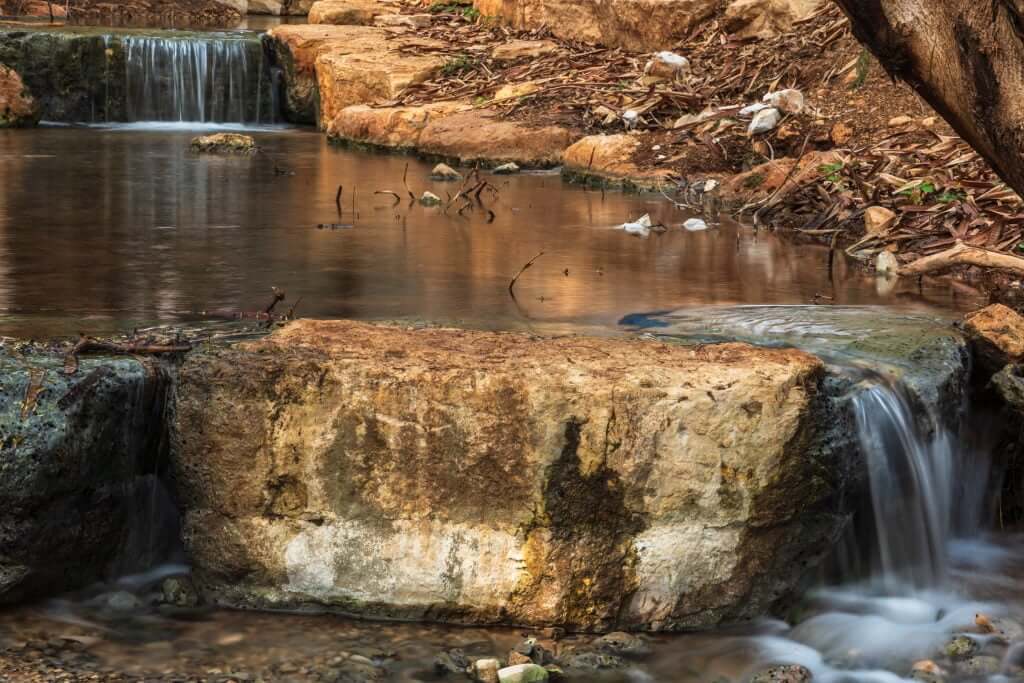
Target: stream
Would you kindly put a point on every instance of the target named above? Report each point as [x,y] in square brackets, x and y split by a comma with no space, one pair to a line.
[109,227]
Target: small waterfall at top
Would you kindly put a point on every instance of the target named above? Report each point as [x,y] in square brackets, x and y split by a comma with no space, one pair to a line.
[197,79]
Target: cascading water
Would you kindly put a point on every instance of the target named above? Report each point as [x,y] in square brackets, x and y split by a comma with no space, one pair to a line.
[131,75]
[906,579]
[207,80]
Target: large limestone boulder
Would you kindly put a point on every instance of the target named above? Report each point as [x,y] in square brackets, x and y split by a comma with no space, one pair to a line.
[640,25]
[485,477]
[73,449]
[349,12]
[767,18]
[611,160]
[453,130]
[329,68]
[996,333]
[17,106]
[482,136]
[392,127]
[280,7]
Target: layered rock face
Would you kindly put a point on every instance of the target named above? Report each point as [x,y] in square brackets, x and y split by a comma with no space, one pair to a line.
[647,25]
[640,25]
[330,67]
[73,452]
[279,7]
[483,477]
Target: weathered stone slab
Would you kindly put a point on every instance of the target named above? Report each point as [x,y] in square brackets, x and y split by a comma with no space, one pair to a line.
[640,25]
[485,477]
[611,159]
[72,451]
[331,67]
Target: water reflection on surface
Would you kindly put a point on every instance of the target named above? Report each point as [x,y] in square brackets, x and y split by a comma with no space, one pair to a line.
[104,229]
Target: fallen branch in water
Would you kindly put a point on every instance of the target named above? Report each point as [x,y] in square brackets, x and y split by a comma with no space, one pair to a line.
[337,199]
[963,255]
[278,298]
[529,264]
[133,348]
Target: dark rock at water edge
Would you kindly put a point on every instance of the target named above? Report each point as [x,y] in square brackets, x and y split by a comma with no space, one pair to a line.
[75,452]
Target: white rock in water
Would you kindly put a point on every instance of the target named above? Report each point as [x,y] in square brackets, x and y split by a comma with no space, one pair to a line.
[789,101]
[445,172]
[667,65]
[752,109]
[523,673]
[640,227]
[507,169]
[430,199]
[887,263]
[764,121]
[695,225]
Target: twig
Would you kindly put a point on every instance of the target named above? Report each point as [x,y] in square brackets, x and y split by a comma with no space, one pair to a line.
[337,199]
[398,199]
[405,181]
[512,284]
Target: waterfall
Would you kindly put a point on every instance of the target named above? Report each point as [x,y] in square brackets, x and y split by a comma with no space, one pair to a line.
[206,80]
[917,475]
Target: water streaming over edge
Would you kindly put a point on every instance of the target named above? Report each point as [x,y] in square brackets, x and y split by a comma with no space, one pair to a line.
[902,584]
[218,79]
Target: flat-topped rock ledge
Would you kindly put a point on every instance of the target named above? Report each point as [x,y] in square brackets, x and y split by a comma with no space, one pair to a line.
[482,477]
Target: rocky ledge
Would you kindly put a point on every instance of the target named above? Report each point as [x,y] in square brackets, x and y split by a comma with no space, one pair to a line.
[499,478]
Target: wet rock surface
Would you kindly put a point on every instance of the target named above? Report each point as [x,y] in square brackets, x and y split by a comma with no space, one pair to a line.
[519,459]
[18,108]
[84,74]
[609,159]
[224,143]
[74,451]
[328,68]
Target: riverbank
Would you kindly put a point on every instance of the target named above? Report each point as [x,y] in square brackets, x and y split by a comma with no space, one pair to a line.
[857,162]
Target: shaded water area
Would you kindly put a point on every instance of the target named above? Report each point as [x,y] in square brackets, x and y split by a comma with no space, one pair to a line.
[107,228]
[103,229]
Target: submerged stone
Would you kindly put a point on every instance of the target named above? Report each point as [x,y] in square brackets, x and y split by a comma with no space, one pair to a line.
[72,451]
[462,476]
[224,143]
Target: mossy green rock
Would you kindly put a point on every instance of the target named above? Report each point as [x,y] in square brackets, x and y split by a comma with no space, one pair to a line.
[72,448]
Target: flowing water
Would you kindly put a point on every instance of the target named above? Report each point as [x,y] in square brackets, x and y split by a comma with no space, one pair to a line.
[199,80]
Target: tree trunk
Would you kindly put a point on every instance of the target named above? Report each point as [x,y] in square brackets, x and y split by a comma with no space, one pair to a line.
[965,57]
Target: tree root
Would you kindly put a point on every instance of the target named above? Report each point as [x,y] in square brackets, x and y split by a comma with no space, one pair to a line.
[963,255]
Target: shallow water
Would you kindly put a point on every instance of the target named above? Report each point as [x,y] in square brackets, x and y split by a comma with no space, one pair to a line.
[103,229]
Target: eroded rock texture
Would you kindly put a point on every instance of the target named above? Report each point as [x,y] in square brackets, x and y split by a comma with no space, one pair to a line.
[484,477]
